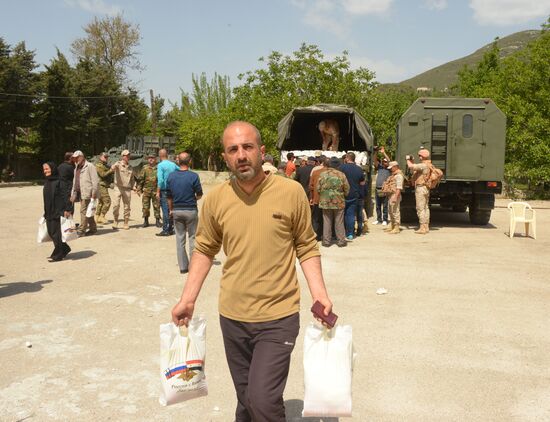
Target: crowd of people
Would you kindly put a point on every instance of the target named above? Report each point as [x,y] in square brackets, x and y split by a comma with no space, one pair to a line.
[172,187]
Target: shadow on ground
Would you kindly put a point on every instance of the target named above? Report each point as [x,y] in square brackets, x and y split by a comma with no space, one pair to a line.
[441,218]
[293,410]
[12,289]
[75,256]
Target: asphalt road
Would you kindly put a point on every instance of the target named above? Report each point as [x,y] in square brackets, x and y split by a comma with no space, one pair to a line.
[463,333]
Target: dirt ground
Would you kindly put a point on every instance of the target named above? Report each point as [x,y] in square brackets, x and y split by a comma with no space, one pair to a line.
[463,333]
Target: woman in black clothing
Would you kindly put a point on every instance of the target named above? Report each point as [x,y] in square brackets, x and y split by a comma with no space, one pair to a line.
[55,204]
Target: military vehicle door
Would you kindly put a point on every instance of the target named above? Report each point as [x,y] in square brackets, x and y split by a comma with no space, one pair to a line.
[466,143]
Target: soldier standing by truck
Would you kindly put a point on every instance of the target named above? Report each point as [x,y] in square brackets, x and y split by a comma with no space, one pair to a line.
[421,172]
[106,178]
[147,185]
[392,188]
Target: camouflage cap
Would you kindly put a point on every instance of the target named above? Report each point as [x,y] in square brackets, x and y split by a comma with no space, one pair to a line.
[125,152]
[393,164]
[151,155]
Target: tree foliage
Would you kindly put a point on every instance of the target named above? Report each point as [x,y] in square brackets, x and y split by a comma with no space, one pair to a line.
[520,86]
[110,41]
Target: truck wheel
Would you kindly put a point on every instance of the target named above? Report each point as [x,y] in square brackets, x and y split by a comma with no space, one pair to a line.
[479,217]
[459,208]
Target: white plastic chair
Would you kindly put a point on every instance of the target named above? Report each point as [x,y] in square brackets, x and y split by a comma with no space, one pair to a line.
[518,214]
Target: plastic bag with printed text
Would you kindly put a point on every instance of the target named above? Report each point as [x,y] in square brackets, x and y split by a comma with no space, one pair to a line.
[182,356]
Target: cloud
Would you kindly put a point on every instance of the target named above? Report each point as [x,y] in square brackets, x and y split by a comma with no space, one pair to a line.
[98,7]
[509,12]
[335,16]
[366,7]
[435,4]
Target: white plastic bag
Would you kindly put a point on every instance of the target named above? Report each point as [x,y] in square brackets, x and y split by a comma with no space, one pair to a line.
[182,357]
[68,229]
[42,235]
[90,211]
[328,352]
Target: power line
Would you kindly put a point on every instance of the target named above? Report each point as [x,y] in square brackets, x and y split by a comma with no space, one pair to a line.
[41,96]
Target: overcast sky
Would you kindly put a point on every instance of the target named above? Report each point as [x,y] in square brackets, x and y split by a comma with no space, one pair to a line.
[395,38]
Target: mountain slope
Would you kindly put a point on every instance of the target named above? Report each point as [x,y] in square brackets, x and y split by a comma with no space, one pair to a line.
[445,75]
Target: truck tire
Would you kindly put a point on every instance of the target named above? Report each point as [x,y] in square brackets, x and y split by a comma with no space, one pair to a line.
[479,217]
[459,208]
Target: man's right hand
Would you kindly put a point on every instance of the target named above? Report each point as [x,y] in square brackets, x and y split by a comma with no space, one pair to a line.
[183,312]
[382,150]
[158,196]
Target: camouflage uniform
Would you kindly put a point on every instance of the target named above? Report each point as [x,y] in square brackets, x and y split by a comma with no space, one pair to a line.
[421,192]
[333,187]
[106,178]
[147,185]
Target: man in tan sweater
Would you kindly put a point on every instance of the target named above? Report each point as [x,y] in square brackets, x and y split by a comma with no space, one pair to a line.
[259,293]
[124,184]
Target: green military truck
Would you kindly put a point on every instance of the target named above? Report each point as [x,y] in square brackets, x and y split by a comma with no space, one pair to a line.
[466,139]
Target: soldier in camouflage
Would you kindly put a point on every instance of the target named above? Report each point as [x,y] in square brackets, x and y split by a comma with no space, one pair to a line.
[147,185]
[106,178]
[333,187]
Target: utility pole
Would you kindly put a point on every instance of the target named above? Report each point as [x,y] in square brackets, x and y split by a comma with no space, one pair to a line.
[153,114]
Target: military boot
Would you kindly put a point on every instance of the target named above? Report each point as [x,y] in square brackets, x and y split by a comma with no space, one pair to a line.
[389,228]
[126,226]
[158,223]
[115,223]
[395,229]
[145,222]
[422,230]
[99,219]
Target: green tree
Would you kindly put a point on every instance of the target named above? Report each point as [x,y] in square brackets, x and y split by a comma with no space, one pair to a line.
[301,79]
[18,82]
[110,41]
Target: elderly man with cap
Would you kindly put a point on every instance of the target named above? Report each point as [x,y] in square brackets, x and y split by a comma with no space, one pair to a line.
[382,173]
[147,185]
[393,188]
[421,171]
[124,183]
[268,166]
[85,188]
[333,187]
[106,178]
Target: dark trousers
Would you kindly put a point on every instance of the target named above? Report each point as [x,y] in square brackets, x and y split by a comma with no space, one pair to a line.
[349,216]
[381,208]
[167,221]
[317,221]
[258,355]
[60,248]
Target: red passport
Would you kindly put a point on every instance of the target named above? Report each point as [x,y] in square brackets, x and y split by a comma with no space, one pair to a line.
[318,311]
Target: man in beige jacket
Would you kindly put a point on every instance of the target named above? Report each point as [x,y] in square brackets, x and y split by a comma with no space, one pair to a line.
[124,183]
[85,188]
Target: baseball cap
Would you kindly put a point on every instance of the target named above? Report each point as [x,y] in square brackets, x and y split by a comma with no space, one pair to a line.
[385,160]
[311,158]
[424,153]
[78,153]
[334,162]
[393,164]
[125,152]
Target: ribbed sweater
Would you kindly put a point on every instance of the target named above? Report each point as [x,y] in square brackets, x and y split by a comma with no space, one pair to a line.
[262,234]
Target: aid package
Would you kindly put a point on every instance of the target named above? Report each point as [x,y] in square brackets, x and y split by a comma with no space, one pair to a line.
[182,355]
[328,355]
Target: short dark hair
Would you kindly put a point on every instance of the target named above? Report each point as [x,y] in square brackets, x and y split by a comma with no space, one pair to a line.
[68,155]
[290,156]
[351,156]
